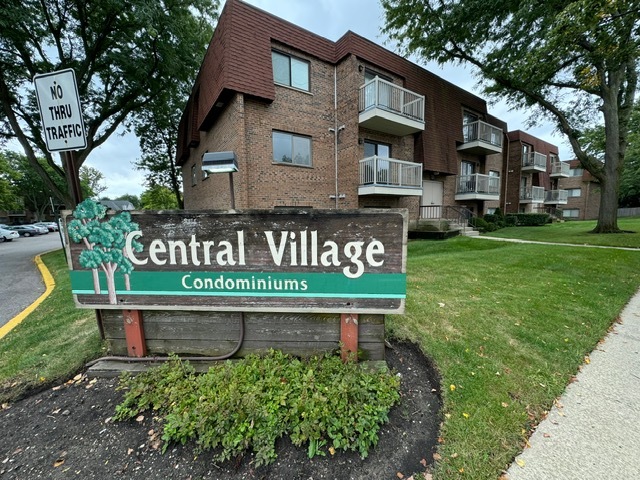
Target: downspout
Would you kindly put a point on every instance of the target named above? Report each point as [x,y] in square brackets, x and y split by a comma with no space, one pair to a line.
[335,128]
[506,177]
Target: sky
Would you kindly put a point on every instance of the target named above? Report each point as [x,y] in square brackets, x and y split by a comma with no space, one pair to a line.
[330,19]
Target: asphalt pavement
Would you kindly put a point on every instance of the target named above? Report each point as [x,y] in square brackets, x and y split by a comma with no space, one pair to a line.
[592,432]
[20,280]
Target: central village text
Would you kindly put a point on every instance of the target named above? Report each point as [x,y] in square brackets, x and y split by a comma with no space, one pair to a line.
[301,248]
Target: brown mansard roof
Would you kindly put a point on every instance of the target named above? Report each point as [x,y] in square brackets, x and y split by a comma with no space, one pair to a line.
[239,60]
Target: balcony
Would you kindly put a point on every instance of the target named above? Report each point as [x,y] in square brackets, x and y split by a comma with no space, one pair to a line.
[534,162]
[560,170]
[391,109]
[532,195]
[480,138]
[388,176]
[477,187]
[556,197]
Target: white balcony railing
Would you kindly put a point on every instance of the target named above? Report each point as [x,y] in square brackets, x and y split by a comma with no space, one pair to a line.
[390,172]
[478,184]
[556,196]
[560,169]
[534,161]
[379,93]
[532,194]
[482,131]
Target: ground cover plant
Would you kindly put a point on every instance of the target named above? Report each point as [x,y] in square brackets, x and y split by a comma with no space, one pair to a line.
[250,403]
[577,232]
[507,325]
[52,343]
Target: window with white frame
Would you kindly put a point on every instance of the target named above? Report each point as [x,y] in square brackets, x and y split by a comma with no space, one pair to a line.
[290,71]
[574,192]
[571,213]
[291,148]
[576,172]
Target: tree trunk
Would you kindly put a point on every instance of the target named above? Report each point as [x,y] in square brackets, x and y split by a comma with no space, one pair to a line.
[608,214]
[615,140]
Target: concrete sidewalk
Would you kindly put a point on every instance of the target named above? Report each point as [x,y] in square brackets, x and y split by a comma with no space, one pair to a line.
[593,431]
[584,245]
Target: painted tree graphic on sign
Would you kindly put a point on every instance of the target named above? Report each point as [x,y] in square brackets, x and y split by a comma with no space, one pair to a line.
[104,241]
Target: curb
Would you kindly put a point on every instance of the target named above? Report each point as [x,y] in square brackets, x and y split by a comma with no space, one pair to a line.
[49,284]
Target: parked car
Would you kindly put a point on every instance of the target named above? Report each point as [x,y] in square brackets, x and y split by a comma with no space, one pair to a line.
[51,226]
[25,230]
[7,235]
[40,228]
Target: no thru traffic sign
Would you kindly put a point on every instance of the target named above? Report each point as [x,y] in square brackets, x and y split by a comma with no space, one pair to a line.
[60,110]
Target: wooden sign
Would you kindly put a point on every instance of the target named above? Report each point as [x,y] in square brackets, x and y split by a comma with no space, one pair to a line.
[258,260]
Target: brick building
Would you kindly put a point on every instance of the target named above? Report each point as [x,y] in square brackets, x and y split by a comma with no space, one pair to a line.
[347,124]
[532,174]
[583,194]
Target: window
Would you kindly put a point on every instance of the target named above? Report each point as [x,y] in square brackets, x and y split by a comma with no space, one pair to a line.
[374,148]
[289,148]
[194,175]
[494,173]
[571,213]
[290,71]
[576,172]
[468,117]
[467,168]
[574,192]
[469,127]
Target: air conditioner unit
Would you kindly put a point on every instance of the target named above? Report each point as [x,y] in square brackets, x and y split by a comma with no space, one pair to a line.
[219,162]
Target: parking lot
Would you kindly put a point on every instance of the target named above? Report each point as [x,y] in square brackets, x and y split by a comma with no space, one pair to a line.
[20,280]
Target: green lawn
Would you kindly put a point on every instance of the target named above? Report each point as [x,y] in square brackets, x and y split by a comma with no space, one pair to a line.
[507,325]
[577,232]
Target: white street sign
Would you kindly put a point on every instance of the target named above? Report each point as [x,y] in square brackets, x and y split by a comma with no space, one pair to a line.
[60,110]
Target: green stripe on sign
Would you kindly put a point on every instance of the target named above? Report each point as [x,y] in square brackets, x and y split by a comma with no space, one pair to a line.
[249,284]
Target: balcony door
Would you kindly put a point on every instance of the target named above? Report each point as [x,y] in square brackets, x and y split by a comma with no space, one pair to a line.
[470,131]
[382,152]
[383,91]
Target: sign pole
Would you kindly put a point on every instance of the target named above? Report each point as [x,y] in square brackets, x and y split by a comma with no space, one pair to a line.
[73,176]
[349,337]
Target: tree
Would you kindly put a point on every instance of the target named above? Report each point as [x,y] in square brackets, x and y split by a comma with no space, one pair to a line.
[158,198]
[124,53]
[135,201]
[594,142]
[574,62]
[91,181]
[10,199]
[28,189]
[157,129]
[105,242]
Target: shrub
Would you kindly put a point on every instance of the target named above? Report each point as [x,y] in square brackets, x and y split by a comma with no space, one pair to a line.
[479,223]
[529,219]
[250,403]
